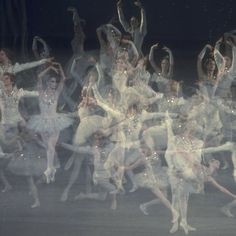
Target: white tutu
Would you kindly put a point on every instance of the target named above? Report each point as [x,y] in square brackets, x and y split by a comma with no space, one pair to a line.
[49,124]
[157,178]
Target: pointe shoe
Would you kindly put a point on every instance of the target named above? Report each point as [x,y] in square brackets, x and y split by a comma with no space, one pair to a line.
[36,204]
[143,209]
[49,173]
[190,228]
[174,228]
[226,211]
[133,189]
[46,177]
[116,191]
[64,197]
[184,226]
[7,188]
[52,176]
[80,196]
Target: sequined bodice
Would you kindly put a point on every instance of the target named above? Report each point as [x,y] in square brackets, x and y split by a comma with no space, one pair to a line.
[170,104]
[48,103]
[189,145]
[186,144]
[10,100]
[9,106]
[132,128]
[142,75]
[152,162]
[6,68]
[153,159]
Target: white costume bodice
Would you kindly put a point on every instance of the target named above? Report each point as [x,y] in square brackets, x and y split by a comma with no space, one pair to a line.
[48,103]
[120,79]
[9,104]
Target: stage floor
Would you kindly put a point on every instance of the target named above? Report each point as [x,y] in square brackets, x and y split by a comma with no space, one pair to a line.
[92,218]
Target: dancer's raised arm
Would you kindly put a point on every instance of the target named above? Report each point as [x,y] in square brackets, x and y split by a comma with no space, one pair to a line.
[200,59]
[122,19]
[73,70]
[41,75]
[143,24]
[45,53]
[134,50]
[63,77]
[220,62]
[100,30]
[220,187]
[171,62]
[152,61]
[232,68]
[100,74]
[77,42]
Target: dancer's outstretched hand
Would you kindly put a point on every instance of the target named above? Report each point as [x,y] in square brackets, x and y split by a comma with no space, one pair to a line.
[138,3]
[166,49]
[48,60]
[155,46]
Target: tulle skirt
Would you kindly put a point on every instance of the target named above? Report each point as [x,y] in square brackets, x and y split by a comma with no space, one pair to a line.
[49,124]
[191,184]
[24,166]
[157,178]
[30,162]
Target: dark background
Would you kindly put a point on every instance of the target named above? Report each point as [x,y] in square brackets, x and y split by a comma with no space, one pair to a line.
[176,22]
[183,25]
